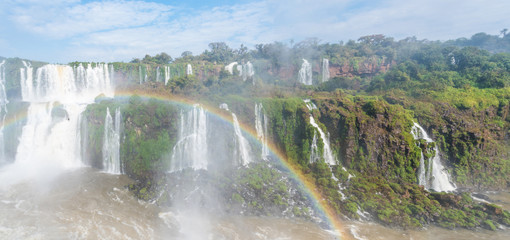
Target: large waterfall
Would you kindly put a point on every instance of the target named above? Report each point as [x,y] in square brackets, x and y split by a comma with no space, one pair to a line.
[325,70]
[327,153]
[190,151]
[57,97]
[261,127]
[3,110]
[305,73]
[111,143]
[435,175]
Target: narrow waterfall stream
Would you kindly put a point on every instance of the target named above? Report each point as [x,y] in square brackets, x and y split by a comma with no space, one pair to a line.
[434,176]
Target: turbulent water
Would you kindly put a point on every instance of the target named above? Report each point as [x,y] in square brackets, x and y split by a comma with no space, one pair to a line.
[435,175]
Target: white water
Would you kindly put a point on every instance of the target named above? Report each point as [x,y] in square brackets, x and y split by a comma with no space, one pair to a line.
[140,74]
[111,143]
[314,150]
[224,106]
[158,74]
[261,121]
[230,67]
[167,74]
[325,70]
[26,78]
[243,147]
[189,70]
[327,153]
[57,96]
[305,73]
[247,71]
[436,176]
[191,149]
[3,111]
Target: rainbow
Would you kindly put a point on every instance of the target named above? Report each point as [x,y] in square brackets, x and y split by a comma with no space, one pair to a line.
[319,202]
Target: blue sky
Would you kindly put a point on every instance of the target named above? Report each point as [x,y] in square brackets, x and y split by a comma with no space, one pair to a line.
[60,31]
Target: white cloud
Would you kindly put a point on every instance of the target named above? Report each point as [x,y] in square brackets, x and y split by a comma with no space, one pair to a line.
[69,18]
[232,24]
[120,30]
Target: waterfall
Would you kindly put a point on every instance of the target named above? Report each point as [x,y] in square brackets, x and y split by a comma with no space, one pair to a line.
[325,70]
[305,73]
[190,151]
[26,78]
[242,143]
[261,127]
[57,97]
[189,70]
[314,154]
[435,176]
[112,74]
[327,153]
[167,74]
[140,73]
[224,106]
[247,71]
[158,74]
[111,143]
[230,67]
[3,110]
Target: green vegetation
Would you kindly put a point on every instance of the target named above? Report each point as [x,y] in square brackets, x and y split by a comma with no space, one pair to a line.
[459,91]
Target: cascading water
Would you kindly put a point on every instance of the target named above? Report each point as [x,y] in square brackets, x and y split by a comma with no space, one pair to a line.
[167,74]
[140,74]
[3,111]
[26,76]
[242,144]
[305,73]
[242,151]
[190,151]
[111,143]
[435,176]
[57,97]
[261,127]
[230,67]
[314,154]
[325,70]
[247,71]
[327,153]
[189,70]
[158,74]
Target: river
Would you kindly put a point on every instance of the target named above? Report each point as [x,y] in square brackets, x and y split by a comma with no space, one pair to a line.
[85,203]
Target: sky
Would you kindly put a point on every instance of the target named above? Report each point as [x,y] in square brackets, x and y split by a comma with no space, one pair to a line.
[62,31]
